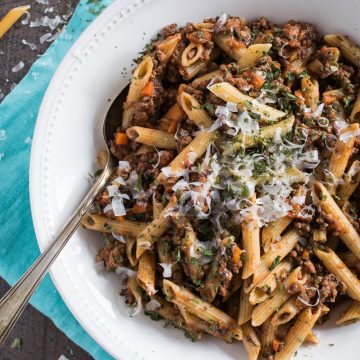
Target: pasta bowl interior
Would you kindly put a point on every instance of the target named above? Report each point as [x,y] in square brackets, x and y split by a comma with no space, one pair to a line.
[303,85]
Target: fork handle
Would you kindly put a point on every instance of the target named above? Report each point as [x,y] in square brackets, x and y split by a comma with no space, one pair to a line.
[14,301]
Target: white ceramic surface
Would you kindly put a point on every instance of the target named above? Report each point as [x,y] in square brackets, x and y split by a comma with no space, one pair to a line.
[65,146]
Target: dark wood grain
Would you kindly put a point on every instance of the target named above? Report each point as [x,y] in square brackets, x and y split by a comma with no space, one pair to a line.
[41,339]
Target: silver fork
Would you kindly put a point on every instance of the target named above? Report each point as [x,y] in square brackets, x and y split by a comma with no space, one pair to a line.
[15,300]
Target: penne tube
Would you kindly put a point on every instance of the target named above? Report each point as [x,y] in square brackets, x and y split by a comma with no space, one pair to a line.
[205,311]
[197,324]
[245,309]
[331,95]
[271,233]
[347,232]
[229,93]
[133,285]
[336,266]
[265,309]
[104,224]
[158,138]
[350,315]
[251,55]
[347,48]
[229,44]
[188,156]
[140,78]
[193,266]
[310,91]
[277,252]
[189,72]
[146,272]
[340,157]
[168,311]
[311,338]
[267,285]
[155,229]
[250,341]
[355,112]
[168,46]
[191,54]
[11,18]
[267,336]
[297,334]
[131,251]
[251,245]
[287,312]
[206,77]
[319,235]
[194,111]
[350,184]
[266,133]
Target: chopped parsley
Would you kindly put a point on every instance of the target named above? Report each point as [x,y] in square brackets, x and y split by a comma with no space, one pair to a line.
[16,344]
[275,263]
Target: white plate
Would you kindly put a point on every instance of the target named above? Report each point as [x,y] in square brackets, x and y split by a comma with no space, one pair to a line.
[65,146]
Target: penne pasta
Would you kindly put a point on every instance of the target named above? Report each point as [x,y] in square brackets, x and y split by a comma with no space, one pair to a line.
[271,233]
[336,266]
[265,309]
[251,55]
[229,93]
[287,312]
[267,285]
[131,251]
[194,111]
[297,334]
[340,157]
[140,79]
[104,224]
[355,112]
[310,91]
[146,272]
[347,48]
[229,44]
[188,155]
[268,335]
[251,245]
[11,18]
[350,183]
[158,207]
[168,46]
[245,309]
[266,133]
[155,229]
[350,315]
[347,232]
[191,54]
[250,341]
[277,252]
[205,311]
[209,76]
[158,138]
[311,338]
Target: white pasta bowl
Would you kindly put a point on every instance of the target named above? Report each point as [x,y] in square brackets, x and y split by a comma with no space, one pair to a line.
[65,144]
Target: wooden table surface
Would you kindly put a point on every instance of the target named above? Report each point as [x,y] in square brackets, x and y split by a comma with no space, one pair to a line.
[41,340]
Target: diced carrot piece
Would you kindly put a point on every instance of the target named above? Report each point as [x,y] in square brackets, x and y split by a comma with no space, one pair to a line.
[148,89]
[121,138]
[276,345]
[139,209]
[236,255]
[119,218]
[328,99]
[257,81]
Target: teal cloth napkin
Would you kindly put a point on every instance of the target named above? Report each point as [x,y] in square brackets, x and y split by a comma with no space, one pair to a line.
[18,113]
